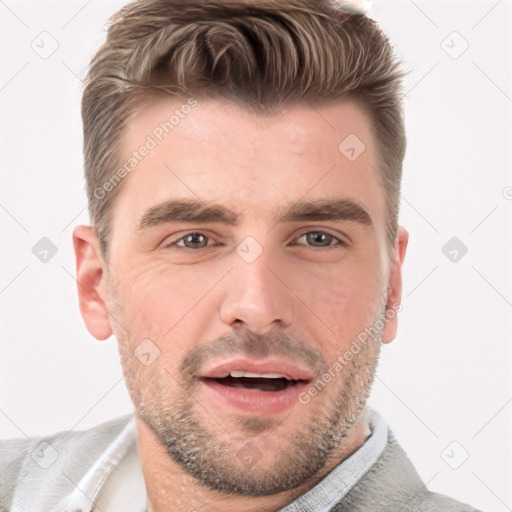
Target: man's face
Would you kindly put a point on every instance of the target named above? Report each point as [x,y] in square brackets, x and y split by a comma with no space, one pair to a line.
[276,268]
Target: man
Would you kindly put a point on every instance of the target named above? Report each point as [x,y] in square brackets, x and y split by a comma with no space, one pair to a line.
[243,165]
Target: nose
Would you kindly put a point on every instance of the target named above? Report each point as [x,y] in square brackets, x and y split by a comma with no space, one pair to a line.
[257,297]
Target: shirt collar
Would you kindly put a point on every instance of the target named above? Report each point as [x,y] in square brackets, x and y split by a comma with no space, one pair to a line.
[331,489]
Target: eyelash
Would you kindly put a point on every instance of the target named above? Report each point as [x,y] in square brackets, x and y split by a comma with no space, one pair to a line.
[339,241]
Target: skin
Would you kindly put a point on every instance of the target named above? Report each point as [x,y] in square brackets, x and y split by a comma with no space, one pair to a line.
[305,296]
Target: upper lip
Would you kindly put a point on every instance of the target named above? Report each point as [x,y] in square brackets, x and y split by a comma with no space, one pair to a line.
[221,368]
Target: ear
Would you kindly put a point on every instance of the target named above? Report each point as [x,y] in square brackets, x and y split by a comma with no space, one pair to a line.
[90,278]
[395,286]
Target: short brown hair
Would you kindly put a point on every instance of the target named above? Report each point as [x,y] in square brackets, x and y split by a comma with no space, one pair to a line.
[258,53]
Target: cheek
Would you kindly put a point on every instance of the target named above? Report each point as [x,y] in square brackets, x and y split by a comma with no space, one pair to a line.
[340,303]
[158,300]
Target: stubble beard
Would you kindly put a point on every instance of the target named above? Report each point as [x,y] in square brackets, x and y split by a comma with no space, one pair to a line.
[213,459]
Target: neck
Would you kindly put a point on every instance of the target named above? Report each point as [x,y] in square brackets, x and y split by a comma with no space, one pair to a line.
[169,487]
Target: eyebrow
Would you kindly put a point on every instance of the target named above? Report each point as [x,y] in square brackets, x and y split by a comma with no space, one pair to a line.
[197,211]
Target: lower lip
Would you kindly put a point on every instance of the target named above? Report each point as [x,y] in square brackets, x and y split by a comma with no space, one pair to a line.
[252,400]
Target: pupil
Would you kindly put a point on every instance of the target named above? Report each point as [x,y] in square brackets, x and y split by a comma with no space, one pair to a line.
[317,238]
[195,240]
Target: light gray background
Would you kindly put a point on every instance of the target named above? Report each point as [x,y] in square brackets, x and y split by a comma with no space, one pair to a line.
[445,378]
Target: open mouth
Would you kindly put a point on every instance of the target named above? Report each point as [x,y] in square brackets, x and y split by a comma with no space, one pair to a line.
[260,383]
[263,387]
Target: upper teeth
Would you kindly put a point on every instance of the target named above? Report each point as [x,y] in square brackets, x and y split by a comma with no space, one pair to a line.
[237,374]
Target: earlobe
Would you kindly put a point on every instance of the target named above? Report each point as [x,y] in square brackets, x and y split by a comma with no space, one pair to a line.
[91,283]
[394,297]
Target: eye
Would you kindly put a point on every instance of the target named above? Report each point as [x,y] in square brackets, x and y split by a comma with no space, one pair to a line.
[191,241]
[196,240]
[320,239]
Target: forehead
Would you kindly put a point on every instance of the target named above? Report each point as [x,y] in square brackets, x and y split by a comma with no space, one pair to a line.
[217,151]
